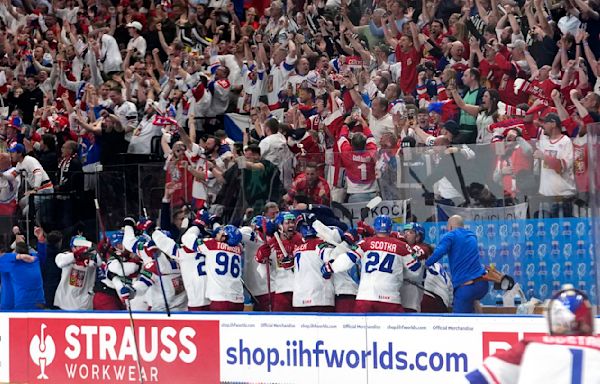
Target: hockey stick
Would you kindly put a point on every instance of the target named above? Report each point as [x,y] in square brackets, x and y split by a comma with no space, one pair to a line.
[160,280]
[127,302]
[268,265]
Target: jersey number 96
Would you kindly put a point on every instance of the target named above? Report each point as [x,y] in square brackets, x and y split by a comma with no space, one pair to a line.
[226,264]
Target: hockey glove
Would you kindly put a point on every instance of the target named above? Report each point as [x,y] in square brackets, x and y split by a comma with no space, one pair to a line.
[127,292]
[326,270]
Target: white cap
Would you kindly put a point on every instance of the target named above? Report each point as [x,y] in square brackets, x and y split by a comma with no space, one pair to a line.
[135,24]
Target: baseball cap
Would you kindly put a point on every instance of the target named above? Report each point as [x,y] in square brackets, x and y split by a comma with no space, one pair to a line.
[552,117]
[17,148]
[135,24]
[517,44]
[452,127]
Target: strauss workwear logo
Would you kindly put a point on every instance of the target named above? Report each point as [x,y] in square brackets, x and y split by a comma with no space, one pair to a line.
[42,351]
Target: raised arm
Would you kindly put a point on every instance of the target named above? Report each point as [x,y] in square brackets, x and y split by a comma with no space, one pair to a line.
[472,110]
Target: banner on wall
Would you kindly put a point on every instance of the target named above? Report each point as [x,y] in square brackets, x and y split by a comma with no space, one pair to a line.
[513,212]
[62,347]
[396,209]
[541,254]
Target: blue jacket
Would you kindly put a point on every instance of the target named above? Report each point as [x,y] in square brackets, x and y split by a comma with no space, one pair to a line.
[24,283]
[463,255]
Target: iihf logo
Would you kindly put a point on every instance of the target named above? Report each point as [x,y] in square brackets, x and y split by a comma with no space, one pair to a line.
[555,270]
[503,231]
[516,251]
[554,230]
[542,270]
[568,250]
[541,229]
[42,351]
[492,252]
[543,291]
[568,270]
[541,250]
[554,248]
[491,231]
[529,249]
[505,269]
[530,271]
[479,231]
[481,249]
[580,229]
[529,230]
[581,269]
[432,232]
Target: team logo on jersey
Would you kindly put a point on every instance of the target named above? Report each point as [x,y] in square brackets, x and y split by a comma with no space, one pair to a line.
[42,351]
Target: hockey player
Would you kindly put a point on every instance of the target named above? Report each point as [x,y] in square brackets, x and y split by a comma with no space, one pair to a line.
[438,292]
[569,354]
[223,255]
[386,262]
[160,276]
[312,293]
[78,275]
[254,273]
[192,263]
[120,268]
[281,246]
[411,294]
[345,284]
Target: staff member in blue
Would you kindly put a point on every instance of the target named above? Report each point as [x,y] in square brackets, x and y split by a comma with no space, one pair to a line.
[467,271]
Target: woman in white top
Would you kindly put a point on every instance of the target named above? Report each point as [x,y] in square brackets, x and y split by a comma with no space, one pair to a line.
[486,114]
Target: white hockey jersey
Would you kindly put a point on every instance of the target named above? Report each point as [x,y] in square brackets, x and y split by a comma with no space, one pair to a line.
[75,290]
[253,272]
[193,266]
[310,288]
[386,262]
[543,359]
[223,267]
[158,273]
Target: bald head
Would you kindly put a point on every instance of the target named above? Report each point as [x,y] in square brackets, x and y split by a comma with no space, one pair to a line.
[455,221]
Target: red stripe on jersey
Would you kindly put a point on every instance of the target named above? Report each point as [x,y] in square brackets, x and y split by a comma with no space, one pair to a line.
[491,374]
[215,245]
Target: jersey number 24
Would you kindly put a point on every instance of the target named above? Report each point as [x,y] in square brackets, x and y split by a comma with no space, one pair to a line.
[373,263]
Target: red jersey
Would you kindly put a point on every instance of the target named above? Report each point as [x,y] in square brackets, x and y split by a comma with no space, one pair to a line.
[318,193]
[359,166]
[409,61]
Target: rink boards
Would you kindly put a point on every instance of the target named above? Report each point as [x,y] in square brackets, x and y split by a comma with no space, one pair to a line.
[86,347]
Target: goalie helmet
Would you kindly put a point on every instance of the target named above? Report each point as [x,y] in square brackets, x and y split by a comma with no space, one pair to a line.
[570,312]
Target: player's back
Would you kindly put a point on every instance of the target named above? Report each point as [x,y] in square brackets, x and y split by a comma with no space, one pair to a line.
[382,270]
[224,270]
[310,288]
[562,359]
[544,359]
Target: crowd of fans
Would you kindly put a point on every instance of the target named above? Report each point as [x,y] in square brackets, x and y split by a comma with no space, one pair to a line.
[332,92]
